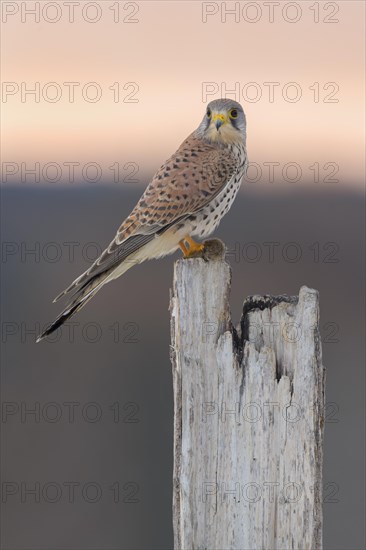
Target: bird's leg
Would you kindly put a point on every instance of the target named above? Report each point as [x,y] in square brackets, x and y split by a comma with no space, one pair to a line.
[183,248]
[193,247]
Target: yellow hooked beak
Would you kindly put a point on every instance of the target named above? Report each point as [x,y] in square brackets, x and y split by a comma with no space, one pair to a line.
[219,120]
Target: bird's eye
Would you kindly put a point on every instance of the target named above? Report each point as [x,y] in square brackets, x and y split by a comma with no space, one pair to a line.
[233,113]
[208,113]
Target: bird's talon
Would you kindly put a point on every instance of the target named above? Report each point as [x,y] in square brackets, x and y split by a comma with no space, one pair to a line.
[194,250]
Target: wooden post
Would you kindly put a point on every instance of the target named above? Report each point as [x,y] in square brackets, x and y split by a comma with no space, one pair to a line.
[249,414]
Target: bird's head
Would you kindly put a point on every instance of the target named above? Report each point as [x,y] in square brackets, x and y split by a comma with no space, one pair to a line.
[224,122]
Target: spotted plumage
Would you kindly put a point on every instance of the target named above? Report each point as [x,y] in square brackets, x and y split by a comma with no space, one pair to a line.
[187,197]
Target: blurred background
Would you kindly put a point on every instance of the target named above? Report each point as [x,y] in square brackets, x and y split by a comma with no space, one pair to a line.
[95,96]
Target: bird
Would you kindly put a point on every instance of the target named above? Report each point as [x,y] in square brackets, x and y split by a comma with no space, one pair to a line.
[186,199]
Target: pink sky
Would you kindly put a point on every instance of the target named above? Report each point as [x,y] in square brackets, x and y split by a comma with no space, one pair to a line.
[173,57]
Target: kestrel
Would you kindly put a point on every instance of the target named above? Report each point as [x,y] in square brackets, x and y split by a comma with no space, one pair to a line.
[186,198]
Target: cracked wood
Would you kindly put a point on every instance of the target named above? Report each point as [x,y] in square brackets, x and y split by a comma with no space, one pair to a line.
[249,414]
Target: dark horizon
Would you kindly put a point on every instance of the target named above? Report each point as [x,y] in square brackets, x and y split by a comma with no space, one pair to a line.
[118,352]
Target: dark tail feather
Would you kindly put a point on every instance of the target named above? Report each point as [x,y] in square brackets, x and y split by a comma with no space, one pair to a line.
[73,307]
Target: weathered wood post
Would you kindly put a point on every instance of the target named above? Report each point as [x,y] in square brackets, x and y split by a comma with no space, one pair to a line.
[249,414]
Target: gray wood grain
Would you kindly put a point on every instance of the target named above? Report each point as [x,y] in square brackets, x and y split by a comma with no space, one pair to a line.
[249,415]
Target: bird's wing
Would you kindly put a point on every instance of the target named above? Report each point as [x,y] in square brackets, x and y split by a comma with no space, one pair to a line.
[185,184]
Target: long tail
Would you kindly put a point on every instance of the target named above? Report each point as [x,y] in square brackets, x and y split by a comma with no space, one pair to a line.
[85,293]
[80,300]
[113,262]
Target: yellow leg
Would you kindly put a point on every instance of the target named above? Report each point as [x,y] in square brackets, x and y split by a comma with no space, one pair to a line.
[183,248]
[193,247]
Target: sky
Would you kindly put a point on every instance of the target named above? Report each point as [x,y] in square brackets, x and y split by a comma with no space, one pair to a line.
[119,85]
